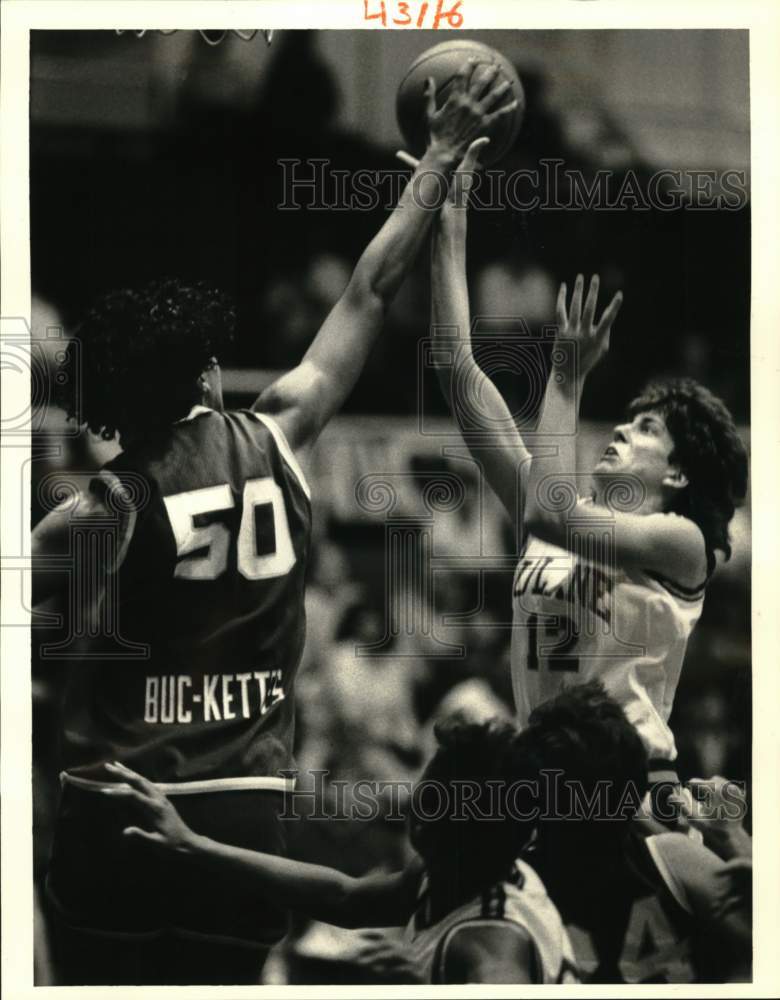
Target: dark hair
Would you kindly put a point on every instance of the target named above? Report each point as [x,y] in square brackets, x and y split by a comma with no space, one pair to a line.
[584,733]
[708,450]
[581,740]
[141,352]
[485,761]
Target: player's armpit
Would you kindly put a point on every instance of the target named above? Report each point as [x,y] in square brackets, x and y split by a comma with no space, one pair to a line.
[297,401]
[489,952]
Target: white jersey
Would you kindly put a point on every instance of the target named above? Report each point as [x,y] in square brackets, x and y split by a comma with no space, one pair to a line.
[521,901]
[574,621]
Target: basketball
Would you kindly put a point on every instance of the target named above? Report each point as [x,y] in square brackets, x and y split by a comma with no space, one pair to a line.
[442,62]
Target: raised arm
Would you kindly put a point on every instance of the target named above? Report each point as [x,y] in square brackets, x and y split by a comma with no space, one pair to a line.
[306,398]
[649,540]
[379,900]
[474,401]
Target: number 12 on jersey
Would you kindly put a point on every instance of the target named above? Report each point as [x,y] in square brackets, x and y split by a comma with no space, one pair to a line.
[202,549]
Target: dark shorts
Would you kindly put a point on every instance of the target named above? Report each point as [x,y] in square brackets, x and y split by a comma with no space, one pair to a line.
[105,883]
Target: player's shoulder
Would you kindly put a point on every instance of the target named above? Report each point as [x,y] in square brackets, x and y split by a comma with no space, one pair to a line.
[489,950]
[274,429]
[682,851]
[515,927]
[261,430]
[681,543]
[687,867]
[210,419]
[102,503]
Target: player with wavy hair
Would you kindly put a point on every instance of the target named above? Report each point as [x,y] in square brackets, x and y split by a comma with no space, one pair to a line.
[611,577]
[708,449]
[205,525]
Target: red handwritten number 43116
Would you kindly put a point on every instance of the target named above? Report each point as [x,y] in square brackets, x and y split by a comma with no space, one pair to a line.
[404,13]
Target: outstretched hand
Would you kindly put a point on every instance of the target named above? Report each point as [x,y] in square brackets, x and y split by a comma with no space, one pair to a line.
[164,827]
[470,109]
[384,958]
[579,324]
[716,807]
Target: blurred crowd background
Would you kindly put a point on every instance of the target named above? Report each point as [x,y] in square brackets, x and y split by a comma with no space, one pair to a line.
[159,155]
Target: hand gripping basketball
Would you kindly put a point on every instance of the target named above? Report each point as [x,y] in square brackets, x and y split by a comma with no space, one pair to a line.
[470,109]
[461,68]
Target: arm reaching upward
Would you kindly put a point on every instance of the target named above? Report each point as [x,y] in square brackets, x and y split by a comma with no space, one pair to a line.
[648,541]
[306,398]
[480,410]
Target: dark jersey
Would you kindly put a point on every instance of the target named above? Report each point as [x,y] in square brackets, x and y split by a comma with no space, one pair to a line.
[210,584]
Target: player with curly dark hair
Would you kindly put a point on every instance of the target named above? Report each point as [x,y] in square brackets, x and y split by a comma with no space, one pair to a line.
[142,353]
[608,585]
[194,602]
